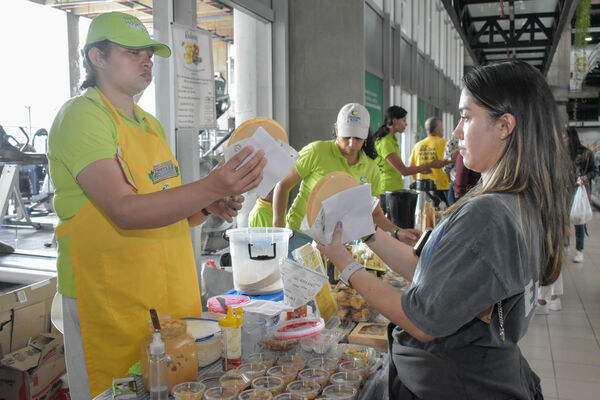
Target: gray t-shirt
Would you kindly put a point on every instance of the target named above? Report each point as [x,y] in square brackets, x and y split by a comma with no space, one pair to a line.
[485,252]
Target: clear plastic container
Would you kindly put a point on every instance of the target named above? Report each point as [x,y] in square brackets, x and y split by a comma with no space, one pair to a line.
[235,379]
[310,390]
[273,384]
[189,391]
[314,375]
[346,378]
[326,363]
[252,370]
[180,351]
[210,380]
[255,254]
[289,396]
[296,360]
[340,392]
[266,358]
[286,372]
[355,366]
[220,393]
[321,343]
[278,344]
[207,335]
[255,394]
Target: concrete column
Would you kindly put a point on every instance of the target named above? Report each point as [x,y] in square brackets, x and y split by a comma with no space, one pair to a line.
[281,90]
[73,39]
[559,72]
[253,67]
[327,64]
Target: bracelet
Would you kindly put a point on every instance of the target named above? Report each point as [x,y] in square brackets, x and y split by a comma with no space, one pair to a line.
[350,269]
[205,212]
[396,233]
[370,237]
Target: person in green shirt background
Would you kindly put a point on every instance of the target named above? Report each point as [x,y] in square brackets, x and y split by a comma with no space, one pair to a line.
[261,215]
[389,159]
[351,151]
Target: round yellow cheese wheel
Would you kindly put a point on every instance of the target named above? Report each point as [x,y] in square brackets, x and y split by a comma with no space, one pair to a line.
[247,129]
[326,187]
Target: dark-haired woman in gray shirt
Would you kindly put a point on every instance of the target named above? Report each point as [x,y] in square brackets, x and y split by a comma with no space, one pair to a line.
[454,332]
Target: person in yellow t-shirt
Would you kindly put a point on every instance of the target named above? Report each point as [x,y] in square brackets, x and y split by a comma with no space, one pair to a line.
[389,159]
[432,149]
[261,215]
[124,244]
[351,151]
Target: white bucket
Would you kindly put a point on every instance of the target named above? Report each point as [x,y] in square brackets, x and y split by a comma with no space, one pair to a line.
[255,254]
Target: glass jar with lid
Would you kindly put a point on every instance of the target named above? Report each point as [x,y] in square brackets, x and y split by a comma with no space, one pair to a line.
[180,350]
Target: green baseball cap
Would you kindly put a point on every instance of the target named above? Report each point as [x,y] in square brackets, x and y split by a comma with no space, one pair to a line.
[124,30]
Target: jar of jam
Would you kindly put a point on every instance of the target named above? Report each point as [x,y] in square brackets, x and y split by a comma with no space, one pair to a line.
[180,351]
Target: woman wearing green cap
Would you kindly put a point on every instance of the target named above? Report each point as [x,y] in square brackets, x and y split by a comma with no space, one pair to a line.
[123,237]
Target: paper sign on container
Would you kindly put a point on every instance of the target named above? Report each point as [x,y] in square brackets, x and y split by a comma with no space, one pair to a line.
[300,284]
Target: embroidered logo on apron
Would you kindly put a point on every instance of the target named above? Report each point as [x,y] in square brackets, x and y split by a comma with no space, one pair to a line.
[164,170]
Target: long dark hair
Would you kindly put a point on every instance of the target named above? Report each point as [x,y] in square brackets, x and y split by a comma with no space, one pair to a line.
[90,72]
[368,146]
[393,112]
[574,142]
[535,162]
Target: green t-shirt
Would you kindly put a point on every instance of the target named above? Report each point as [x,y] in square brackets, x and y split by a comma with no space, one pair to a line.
[83,132]
[261,215]
[391,180]
[318,159]
[429,149]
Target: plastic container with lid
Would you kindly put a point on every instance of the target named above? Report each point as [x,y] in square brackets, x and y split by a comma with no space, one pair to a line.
[326,363]
[210,380]
[340,392]
[180,352]
[207,335]
[266,358]
[255,254]
[322,342]
[310,390]
[189,391]
[295,360]
[289,396]
[231,326]
[255,394]
[235,379]
[253,370]
[220,304]
[220,393]
[347,378]
[356,366]
[314,375]
[286,372]
[271,383]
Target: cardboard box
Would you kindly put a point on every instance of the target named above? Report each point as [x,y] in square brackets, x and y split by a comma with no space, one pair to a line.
[372,334]
[33,372]
[25,313]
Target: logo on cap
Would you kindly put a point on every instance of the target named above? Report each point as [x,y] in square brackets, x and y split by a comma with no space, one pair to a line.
[136,24]
[353,118]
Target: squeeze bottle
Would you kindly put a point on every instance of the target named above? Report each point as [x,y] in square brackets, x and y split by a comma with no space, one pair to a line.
[232,338]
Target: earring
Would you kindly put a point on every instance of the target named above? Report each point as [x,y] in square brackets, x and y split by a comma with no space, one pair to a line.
[502,136]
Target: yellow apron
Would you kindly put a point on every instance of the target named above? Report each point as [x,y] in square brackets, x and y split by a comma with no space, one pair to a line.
[121,274]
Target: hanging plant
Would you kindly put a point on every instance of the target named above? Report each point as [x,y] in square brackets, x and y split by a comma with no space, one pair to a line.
[582,25]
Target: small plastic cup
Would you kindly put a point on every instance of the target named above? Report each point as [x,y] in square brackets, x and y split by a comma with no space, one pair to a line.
[266,358]
[289,396]
[297,360]
[346,378]
[356,366]
[220,393]
[252,370]
[286,372]
[189,391]
[210,380]
[310,390]
[326,363]
[235,379]
[314,375]
[255,394]
[340,392]
[273,384]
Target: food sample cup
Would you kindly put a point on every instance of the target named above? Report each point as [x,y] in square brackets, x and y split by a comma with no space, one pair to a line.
[220,393]
[314,375]
[310,390]
[340,392]
[255,394]
[266,358]
[297,360]
[189,391]
[286,372]
[346,378]
[326,363]
[273,384]
[252,370]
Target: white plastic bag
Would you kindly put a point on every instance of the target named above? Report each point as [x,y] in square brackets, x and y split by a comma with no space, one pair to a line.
[581,211]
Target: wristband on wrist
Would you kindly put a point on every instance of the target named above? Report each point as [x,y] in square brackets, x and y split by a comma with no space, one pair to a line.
[205,212]
[349,271]
[396,233]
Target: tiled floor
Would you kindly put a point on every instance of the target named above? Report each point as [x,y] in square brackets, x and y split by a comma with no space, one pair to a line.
[563,347]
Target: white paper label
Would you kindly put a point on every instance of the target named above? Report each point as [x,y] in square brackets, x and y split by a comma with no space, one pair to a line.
[300,284]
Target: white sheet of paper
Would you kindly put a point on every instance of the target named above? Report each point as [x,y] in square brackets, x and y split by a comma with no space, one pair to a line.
[281,158]
[354,207]
[300,284]
[267,307]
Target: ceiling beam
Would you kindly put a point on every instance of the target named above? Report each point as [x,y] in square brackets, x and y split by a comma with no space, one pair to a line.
[566,15]
[453,14]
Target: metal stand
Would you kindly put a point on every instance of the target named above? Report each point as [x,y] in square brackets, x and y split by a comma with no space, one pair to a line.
[9,186]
